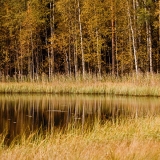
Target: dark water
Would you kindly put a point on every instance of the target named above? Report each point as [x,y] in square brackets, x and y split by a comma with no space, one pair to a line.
[23,114]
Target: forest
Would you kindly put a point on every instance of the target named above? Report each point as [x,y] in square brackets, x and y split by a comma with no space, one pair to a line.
[71,37]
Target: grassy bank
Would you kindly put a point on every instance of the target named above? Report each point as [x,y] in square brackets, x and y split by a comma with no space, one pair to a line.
[141,85]
[132,139]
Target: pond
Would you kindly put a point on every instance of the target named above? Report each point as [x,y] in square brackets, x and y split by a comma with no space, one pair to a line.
[24,114]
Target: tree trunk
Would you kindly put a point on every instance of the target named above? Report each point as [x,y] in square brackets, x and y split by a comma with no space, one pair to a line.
[21,59]
[133,40]
[32,55]
[149,42]
[98,55]
[98,68]
[29,64]
[69,39]
[158,49]
[159,19]
[149,46]
[113,37]
[66,63]
[69,56]
[52,5]
[75,57]
[48,54]
[81,39]
[75,43]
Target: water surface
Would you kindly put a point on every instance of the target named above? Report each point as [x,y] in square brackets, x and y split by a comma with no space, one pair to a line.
[24,114]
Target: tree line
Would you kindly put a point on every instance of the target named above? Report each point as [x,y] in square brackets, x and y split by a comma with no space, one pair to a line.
[79,36]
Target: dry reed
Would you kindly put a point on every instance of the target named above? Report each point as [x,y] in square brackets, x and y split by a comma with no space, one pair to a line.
[141,85]
[123,140]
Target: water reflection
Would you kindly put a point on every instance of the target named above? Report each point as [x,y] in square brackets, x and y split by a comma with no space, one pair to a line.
[21,114]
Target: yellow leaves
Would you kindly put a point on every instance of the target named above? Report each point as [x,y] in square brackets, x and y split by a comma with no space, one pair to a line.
[91,58]
[32,17]
[59,41]
[124,60]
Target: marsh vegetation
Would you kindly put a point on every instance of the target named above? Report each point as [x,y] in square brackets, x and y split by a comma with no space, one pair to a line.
[79,127]
[128,85]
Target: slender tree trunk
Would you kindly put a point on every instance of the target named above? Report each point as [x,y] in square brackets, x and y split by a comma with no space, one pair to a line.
[113,37]
[75,59]
[69,39]
[69,56]
[97,46]
[21,56]
[158,50]
[75,53]
[149,42]
[98,54]
[37,62]
[32,55]
[116,54]
[52,9]
[48,54]
[133,39]
[130,47]
[17,68]
[149,46]
[29,64]
[159,18]
[81,39]
[75,42]
[66,63]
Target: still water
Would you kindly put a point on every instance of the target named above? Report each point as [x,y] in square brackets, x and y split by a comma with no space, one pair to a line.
[21,114]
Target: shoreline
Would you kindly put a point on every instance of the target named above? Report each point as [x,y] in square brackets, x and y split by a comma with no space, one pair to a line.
[119,140]
[143,85]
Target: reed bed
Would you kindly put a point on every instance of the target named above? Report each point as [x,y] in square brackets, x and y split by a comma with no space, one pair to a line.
[133,85]
[122,140]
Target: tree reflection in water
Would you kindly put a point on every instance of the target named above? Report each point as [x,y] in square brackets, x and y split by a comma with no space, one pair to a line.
[23,114]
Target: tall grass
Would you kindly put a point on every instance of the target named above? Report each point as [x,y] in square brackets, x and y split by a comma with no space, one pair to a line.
[129,85]
[123,140]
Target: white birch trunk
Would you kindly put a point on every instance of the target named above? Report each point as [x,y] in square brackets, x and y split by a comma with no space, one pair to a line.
[98,55]
[133,39]
[52,33]
[113,38]
[32,55]
[81,38]
[150,48]
[75,43]
[149,43]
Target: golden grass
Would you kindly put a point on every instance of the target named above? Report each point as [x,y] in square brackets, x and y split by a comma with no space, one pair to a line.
[141,85]
[123,140]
